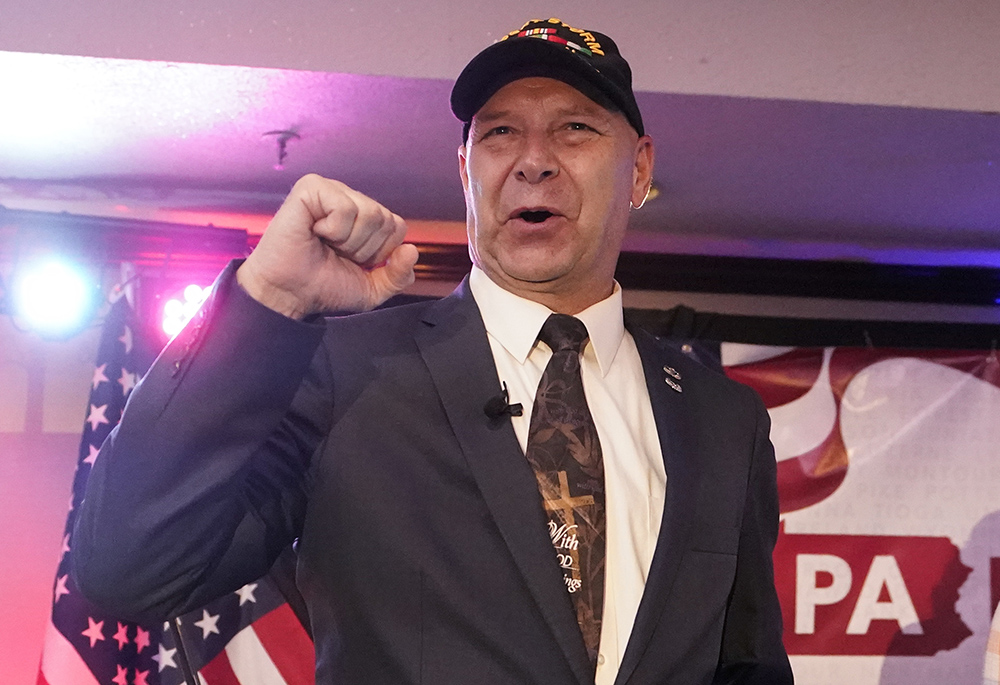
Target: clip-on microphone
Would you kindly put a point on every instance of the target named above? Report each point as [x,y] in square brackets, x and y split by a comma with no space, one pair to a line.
[499,406]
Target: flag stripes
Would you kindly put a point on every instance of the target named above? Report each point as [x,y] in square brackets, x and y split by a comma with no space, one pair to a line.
[248,637]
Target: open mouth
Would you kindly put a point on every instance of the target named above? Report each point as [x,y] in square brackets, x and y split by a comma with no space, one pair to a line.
[533,216]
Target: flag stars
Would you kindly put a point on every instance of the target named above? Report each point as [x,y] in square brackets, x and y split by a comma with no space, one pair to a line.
[62,590]
[141,639]
[121,637]
[140,677]
[207,624]
[165,659]
[127,339]
[99,376]
[65,545]
[121,678]
[97,417]
[94,631]
[127,381]
[92,456]
[246,593]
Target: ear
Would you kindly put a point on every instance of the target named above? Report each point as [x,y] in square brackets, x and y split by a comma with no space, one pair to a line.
[462,171]
[642,173]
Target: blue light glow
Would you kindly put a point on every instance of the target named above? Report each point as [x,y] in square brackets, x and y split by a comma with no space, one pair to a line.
[54,298]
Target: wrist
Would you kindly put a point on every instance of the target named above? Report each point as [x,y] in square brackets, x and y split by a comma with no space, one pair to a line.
[282,301]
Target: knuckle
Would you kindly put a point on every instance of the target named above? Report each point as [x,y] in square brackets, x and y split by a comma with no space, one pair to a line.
[346,207]
[341,209]
[386,222]
[308,180]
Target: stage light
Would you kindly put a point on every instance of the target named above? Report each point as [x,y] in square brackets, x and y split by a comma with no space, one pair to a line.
[54,298]
[177,311]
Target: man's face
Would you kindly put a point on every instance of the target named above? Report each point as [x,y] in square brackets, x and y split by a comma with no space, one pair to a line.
[548,177]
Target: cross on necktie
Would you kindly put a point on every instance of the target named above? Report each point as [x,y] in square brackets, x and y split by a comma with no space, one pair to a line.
[565,453]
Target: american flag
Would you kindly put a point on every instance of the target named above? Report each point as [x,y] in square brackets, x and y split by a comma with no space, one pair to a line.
[250,637]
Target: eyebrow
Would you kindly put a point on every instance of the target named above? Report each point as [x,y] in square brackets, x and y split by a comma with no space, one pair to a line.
[491,116]
[576,110]
[594,110]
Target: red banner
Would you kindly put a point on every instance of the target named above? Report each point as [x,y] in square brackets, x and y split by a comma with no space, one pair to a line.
[869,594]
[888,563]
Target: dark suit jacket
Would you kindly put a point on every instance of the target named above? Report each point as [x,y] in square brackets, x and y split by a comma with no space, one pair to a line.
[423,551]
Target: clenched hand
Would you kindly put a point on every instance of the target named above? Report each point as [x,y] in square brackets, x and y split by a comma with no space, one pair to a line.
[328,248]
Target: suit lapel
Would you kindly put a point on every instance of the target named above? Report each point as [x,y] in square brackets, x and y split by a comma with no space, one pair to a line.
[674,422]
[455,348]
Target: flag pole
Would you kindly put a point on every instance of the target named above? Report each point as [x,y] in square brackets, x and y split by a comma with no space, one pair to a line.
[190,677]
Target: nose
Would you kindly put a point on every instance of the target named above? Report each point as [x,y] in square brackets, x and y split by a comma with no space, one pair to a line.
[537,161]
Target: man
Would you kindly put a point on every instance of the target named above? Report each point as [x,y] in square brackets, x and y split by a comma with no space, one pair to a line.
[444,535]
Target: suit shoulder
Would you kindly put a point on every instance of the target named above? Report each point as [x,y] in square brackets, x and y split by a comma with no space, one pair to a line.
[388,327]
[694,371]
[395,316]
[397,329]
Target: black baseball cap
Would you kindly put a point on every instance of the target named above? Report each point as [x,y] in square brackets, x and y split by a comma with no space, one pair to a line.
[587,60]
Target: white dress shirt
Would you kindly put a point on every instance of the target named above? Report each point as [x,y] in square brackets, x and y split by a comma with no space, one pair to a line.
[635,478]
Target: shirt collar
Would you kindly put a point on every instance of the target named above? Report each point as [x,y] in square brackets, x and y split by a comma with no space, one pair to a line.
[515,321]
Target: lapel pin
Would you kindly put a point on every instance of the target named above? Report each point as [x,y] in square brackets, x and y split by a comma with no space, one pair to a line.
[671,378]
[674,385]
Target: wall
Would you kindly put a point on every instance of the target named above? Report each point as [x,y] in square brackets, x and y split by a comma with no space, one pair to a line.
[43,396]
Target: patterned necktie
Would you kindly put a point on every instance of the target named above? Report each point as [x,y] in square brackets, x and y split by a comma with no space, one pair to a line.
[564,451]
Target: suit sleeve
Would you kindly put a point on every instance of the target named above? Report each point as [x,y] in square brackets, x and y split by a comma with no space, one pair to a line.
[752,648]
[204,480]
